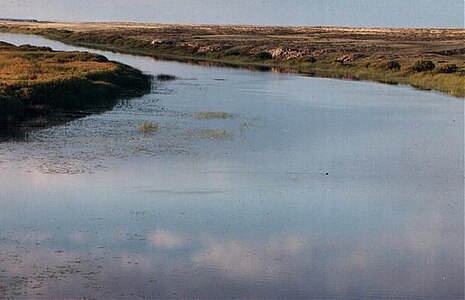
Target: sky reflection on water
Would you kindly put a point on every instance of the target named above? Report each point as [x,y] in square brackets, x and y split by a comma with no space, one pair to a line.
[96,209]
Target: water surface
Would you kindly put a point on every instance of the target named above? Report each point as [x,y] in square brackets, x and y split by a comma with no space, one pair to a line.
[315,188]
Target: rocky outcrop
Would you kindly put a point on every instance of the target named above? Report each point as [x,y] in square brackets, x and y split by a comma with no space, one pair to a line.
[350,57]
[289,53]
[210,48]
[162,42]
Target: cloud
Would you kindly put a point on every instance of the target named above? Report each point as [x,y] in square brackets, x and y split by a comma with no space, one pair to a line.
[247,258]
[166,240]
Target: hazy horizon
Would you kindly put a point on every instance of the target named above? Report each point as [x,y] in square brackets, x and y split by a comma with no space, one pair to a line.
[356,13]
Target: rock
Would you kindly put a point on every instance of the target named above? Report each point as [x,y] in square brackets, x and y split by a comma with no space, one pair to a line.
[210,48]
[289,53]
[349,57]
[162,42]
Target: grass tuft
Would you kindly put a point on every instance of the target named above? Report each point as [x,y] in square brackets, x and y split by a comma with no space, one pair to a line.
[148,127]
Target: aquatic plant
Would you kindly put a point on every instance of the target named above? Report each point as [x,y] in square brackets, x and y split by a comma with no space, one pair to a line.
[148,127]
[212,115]
[214,134]
[166,77]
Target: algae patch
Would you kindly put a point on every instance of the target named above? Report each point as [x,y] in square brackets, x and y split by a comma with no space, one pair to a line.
[148,127]
[214,134]
[212,115]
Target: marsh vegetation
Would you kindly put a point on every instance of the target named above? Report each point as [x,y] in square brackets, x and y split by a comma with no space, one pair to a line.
[37,81]
[148,127]
[212,115]
[431,59]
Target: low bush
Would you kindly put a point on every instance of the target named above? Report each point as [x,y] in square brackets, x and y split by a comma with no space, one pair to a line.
[448,69]
[393,65]
[309,59]
[264,55]
[423,66]
[234,52]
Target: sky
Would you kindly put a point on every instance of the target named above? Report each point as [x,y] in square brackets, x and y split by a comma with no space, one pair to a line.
[360,13]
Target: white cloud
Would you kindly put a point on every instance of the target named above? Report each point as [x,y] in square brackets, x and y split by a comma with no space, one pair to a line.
[166,240]
[247,258]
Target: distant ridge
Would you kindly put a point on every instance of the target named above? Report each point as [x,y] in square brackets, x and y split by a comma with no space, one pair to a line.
[19,20]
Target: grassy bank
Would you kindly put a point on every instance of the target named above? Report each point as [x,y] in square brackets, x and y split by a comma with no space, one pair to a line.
[382,55]
[37,81]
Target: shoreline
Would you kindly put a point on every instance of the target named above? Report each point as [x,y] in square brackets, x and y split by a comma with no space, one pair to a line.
[357,53]
[38,82]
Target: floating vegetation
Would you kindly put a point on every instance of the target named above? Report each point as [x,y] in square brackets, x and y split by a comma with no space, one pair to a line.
[148,127]
[212,115]
[166,77]
[214,134]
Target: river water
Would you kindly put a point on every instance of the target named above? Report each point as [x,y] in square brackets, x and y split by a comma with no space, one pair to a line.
[314,188]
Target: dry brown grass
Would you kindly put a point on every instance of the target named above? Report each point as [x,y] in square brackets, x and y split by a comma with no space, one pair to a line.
[321,51]
[38,80]
[29,65]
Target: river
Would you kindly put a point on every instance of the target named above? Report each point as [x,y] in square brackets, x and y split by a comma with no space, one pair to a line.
[314,188]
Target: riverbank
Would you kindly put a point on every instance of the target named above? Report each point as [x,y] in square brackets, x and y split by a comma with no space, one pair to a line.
[37,81]
[429,59]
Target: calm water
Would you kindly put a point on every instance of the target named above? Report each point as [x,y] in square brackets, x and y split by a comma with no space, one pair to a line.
[239,207]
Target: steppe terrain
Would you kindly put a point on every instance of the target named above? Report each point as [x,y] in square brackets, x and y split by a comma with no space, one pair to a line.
[431,59]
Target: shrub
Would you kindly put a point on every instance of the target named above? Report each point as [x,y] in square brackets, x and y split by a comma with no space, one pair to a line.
[423,66]
[264,55]
[310,59]
[393,65]
[234,52]
[448,69]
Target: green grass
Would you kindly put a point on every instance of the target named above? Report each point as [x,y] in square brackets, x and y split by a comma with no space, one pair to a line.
[35,81]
